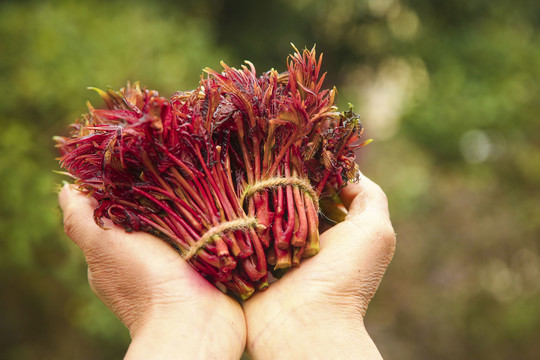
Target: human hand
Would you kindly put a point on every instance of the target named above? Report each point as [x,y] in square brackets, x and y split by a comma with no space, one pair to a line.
[170,310]
[316,311]
[161,299]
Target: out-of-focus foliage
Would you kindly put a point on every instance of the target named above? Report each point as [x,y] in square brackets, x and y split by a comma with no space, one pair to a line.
[449,91]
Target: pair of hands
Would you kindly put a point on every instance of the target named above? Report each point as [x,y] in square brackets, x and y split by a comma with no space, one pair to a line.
[171,311]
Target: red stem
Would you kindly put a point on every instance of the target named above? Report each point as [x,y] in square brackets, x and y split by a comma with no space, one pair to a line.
[259,252]
[283,258]
[247,162]
[290,205]
[312,241]
[277,226]
[320,187]
[181,205]
[284,150]
[300,235]
[189,192]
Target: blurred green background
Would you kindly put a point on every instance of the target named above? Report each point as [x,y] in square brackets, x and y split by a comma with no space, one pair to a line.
[449,91]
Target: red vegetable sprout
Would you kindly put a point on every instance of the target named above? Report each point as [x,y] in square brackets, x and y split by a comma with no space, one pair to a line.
[230,174]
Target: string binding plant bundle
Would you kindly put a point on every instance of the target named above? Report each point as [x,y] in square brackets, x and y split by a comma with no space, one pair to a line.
[230,174]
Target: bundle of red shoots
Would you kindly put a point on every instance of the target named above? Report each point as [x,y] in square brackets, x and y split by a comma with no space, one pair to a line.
[230,174]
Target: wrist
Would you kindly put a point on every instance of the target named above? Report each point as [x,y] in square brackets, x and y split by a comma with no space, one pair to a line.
[297,334]
[210,335]
[322,342]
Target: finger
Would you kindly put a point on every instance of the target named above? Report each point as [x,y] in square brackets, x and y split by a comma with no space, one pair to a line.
[367,228]
[112,242]
[364,195]
[362,246]
[78,211]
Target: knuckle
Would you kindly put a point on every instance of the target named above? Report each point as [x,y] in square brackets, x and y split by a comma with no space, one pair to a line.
[381,197]
[70,224]
[376,190]
[387,240]
[77,229]
[91,280]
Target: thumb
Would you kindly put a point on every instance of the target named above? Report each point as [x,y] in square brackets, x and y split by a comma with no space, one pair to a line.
[77,215]
[366,200]
[367,206]
[367,230]
[78,212]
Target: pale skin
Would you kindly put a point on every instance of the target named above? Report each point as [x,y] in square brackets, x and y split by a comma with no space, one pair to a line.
[315,311]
